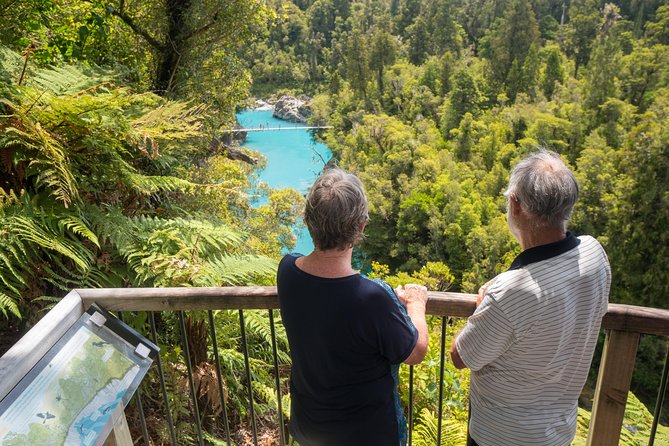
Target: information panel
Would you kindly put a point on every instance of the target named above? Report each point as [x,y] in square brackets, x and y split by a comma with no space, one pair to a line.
[75,393]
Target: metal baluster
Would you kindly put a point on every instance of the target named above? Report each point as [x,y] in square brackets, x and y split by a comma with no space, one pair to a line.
[410,403]
[163,388]
[142,418]
[140,408]
[219,376]
[441,379]
[660,401]
[276,377]
[198,424]
[248,376]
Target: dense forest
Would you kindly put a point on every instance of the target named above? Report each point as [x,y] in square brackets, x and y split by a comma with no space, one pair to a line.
[114,172]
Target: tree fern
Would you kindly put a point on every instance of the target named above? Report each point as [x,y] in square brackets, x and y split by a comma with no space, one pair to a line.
[66,123]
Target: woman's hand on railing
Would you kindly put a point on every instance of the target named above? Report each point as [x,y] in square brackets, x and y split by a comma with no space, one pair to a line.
[412,294]
[415,298]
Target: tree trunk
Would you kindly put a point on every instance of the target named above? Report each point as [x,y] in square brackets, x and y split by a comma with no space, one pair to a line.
[170,57]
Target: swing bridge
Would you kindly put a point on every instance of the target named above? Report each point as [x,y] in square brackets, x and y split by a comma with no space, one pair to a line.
[268,129]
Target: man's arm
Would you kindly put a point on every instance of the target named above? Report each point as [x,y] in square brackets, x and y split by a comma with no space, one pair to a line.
[415,298]
[455,356]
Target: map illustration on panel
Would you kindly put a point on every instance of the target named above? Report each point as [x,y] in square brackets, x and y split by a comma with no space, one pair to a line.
[77,394]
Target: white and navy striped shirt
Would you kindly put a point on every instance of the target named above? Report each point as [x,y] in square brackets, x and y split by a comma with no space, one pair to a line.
[530,344]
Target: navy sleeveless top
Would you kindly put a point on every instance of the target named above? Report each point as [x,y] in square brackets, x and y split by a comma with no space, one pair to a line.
[347,338]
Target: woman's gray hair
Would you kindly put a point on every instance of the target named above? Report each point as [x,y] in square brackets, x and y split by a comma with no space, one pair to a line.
[545,187]
[336,210]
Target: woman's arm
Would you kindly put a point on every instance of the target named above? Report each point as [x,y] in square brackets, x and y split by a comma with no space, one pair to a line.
[415,298]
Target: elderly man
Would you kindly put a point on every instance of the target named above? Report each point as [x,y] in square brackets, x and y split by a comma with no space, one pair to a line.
[530,342]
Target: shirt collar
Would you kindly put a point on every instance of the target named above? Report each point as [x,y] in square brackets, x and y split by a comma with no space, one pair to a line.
[545,252]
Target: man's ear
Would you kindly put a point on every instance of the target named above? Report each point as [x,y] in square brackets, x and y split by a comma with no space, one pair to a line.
[514,203]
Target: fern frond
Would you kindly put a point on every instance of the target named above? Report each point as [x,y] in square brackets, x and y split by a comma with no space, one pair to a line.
[68,79]
[9,198]
[77,226]
[426,429]
[235,270]
[7,303]
[10,64]
[267,393]
[46,157]
[50,300]
[111,226]
[172,120]
[147,185]
[205,239]
[29,231]
[258,324]
[8,268]
[175,252]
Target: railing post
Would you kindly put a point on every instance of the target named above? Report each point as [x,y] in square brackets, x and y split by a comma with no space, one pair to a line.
[613,385]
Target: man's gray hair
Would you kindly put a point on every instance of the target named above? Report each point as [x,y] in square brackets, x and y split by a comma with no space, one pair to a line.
[545,187]
[336,210]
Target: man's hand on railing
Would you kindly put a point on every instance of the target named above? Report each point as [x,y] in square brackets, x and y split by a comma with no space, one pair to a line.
[482,290]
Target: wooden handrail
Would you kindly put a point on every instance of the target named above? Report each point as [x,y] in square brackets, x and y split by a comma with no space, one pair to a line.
[623,324]
[619,317]
[630,318]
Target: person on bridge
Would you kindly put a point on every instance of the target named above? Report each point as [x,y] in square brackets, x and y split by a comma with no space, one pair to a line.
[347,333]
[530,342]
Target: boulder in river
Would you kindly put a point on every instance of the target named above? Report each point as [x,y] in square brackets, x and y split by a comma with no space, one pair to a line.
[262,105]
[291,109]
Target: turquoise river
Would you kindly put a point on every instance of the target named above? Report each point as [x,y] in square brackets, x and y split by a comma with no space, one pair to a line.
[294,159]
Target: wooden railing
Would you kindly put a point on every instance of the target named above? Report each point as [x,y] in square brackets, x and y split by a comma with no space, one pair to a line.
[623,325]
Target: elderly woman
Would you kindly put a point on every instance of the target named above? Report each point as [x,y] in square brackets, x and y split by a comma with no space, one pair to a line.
[347,333]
